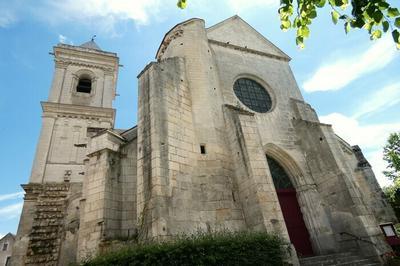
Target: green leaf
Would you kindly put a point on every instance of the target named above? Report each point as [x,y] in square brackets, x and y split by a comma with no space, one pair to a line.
[345,3]
[393,12]
[383,5]
[305,31]
[377,16]
[347,27]
[320,3]
[369,11]
[358,23]
[335,16]
[296,22]
[339,2]
[396,36]
[182,4]
[385,26]
[313,14]
[376,34]
[300,42]
[397,22]
[285,24]
[368,27]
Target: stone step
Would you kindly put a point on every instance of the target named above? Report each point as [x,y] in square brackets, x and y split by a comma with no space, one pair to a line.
[343,259]
[356,262]
[327,257]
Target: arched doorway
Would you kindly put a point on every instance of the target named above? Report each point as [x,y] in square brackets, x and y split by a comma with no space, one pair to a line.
[292,215]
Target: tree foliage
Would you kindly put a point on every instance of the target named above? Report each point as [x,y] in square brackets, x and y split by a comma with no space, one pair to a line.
[375,16]
[391,154]
[392,194]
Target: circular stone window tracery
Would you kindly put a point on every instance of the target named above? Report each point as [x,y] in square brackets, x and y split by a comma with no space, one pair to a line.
[253,95]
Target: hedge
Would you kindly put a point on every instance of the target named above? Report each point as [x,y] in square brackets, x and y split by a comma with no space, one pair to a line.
[223,248]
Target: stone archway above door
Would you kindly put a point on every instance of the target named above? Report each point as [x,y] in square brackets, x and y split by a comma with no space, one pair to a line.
[311,204]
[298,233]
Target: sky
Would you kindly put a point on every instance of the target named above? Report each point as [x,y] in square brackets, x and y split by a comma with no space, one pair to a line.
[350,81]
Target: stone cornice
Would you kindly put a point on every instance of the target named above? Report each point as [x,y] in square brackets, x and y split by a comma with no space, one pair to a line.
[110,132]
[100,151]
[85,112]
[63,63]
[71,49]
[248,50]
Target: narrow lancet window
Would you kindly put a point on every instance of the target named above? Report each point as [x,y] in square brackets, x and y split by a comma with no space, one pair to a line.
[203,149]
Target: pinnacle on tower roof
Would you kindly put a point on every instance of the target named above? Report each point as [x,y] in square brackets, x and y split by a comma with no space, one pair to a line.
[91,44]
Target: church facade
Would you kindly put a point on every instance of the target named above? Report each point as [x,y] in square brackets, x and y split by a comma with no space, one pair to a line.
[224,140]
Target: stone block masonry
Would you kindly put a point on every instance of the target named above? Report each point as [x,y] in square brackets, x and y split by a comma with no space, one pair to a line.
[197,159]
[48,222]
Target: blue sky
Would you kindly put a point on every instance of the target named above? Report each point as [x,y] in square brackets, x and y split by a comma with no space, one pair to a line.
[351,82]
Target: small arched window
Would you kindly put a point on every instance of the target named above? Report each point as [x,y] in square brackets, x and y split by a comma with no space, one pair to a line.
[84,85]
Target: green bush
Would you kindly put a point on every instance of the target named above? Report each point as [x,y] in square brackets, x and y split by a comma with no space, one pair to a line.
[223,248]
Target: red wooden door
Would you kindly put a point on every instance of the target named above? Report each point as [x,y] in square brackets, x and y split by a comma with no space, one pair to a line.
[298,232]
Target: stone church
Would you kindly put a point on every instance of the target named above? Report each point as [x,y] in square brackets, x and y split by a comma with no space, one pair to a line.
[224,140]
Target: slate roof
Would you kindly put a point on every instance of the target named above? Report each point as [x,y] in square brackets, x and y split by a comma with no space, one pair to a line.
[8,236]
[91,45]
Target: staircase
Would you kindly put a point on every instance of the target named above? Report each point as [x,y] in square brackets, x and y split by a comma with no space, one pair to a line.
[345,259]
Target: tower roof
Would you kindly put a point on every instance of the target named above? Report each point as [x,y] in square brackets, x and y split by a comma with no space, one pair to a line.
[91,45]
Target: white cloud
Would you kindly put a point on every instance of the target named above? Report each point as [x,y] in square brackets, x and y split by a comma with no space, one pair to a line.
[368,136]
[7,17]
[239,6]
[11,211]
[64,39]
[379,100]
[371,138]
[341,72]
[378,165]
[105,13]
[15,195]
[102,15]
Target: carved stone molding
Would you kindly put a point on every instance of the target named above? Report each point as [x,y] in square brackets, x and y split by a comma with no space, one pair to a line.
[66,62]
[78,111]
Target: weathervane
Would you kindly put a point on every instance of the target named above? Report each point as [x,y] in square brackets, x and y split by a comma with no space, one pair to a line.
[94,36]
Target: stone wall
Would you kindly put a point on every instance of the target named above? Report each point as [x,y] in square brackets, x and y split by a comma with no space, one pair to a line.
[108,206]
[196,161]
[181,189]
[328,194]
[371,191]
[47,230]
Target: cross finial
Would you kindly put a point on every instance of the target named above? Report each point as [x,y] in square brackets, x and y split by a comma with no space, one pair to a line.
[94,36]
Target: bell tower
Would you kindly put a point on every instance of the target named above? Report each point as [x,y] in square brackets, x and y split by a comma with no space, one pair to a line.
[78,106]
[80,99]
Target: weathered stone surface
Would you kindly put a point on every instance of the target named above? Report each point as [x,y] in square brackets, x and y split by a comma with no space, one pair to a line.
[197,158]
